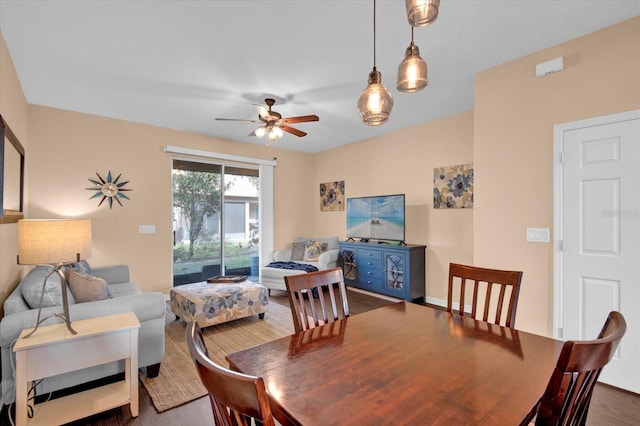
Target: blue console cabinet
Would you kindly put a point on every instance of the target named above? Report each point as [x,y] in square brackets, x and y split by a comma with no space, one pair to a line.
[397,271]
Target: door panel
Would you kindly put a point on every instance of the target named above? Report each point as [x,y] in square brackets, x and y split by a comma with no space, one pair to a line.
[600,226]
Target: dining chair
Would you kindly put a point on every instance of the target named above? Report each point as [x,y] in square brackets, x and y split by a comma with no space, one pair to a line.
[566,399]
[308,294]
[234,397]
[495,282]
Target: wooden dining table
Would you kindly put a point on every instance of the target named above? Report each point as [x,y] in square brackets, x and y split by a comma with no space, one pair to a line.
[403,364]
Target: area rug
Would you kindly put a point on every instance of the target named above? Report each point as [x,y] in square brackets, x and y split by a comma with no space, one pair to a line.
[178,381]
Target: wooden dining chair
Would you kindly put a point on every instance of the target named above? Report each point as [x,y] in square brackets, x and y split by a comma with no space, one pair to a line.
[568,394]
[309,295]
[495,282]
[234,397]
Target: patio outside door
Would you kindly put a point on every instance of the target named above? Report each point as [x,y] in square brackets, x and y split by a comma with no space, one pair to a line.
[215,221]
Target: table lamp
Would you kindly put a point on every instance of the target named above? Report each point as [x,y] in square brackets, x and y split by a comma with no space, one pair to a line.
[54,243]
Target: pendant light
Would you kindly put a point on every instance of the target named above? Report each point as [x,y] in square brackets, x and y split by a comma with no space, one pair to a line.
[421,13]
[376,102]
[412,71]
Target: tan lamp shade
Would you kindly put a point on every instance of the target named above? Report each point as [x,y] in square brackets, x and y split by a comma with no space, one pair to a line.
[53,241]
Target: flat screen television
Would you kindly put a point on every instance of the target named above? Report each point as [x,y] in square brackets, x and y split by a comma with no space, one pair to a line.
[376,218]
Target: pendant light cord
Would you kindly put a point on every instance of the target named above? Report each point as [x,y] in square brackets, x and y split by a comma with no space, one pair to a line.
[374,34]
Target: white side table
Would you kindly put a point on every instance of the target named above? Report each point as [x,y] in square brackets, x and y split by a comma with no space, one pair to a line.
[54,350]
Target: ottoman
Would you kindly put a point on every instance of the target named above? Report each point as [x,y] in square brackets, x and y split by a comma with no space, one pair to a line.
[210,304]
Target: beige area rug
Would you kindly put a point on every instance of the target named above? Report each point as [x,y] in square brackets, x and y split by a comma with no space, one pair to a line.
[178,381]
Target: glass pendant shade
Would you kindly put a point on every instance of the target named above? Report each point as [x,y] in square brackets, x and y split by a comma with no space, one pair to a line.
[412,71]
[421,13]
[376,102]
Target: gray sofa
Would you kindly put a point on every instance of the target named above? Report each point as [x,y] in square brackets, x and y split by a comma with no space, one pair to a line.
[125,297]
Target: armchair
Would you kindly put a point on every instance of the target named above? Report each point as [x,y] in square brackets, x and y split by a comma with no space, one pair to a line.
[272,277]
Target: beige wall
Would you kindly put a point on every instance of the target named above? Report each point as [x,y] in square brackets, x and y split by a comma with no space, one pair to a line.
[67,148]
[514,115]
[403,163]
[508,137]
[13,107]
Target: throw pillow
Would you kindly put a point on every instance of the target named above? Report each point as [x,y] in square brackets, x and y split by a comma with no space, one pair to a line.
[31,286]
[297,250]
[82,267]
[86,288]
[313,250]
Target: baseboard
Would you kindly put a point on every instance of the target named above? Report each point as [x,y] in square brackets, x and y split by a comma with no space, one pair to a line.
[435,301]
[378,295]
[443,304]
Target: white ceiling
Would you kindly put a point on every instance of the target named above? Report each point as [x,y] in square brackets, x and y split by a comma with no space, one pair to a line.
[180,64]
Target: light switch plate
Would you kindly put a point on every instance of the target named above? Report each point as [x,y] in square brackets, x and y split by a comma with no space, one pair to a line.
[147,229]
[538,235]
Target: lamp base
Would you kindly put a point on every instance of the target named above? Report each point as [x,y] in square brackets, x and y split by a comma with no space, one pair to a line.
[65,301]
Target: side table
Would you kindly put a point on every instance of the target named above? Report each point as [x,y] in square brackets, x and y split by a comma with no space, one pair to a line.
[54,350]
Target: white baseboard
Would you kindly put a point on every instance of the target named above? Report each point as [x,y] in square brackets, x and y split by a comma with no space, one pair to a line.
[435,301]
[378,295]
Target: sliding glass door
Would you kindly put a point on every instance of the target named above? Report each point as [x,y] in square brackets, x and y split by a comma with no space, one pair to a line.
[215,221]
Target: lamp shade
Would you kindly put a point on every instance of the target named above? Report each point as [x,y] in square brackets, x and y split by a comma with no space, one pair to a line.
[53,241]
[412,72]
[422,12]
[376,102]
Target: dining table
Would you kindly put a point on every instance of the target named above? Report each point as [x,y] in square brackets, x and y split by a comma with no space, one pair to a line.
[402,363]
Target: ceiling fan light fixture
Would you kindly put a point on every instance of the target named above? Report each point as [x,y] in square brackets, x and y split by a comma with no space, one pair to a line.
[274,133]
[260,131]
[421,13]
[376,102]
[412,71]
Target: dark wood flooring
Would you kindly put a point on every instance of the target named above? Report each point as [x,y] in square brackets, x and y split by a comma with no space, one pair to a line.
[609,406]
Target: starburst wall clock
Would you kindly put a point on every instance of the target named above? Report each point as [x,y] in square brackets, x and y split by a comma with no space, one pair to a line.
[109,189]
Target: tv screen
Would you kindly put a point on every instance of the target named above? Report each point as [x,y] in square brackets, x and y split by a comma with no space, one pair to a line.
[376,218]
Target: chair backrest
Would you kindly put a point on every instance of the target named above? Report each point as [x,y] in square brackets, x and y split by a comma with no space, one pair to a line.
[233,396]
[495,282]
[568,394]
[313,312]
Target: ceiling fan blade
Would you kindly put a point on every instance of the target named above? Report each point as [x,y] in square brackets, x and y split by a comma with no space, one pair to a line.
[299,119]
[238,119]
[262,111]
[291,130]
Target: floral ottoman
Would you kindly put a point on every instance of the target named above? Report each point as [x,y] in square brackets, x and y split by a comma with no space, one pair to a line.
[210,304]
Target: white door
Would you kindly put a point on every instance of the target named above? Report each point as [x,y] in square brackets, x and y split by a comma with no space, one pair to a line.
[599,236]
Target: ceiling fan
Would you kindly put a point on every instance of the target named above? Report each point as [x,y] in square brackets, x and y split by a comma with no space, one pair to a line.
[273,125]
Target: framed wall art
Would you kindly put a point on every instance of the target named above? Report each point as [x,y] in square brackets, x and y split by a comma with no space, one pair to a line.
[11,175]
[453,187]
[332,196]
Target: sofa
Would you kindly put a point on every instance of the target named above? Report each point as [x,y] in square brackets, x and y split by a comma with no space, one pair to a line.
[321,253]
[119,296]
